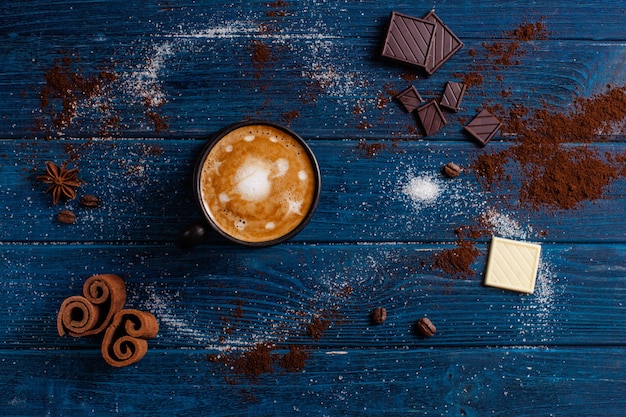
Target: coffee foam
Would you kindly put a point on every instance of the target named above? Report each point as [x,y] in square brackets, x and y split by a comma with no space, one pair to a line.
[257,183]
[252,180]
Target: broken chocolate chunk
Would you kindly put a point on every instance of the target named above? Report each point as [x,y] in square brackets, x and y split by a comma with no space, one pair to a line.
[452,96]
[410,98]
[408,40]
[444,44]
[431,117]
[483,127]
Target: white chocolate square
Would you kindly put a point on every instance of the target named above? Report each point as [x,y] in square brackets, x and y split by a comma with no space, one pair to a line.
[512,265]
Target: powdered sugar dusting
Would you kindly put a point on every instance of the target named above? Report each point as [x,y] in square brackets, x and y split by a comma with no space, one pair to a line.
[503,225]
[536,311]
[160,304]
[143,82]
[422,189]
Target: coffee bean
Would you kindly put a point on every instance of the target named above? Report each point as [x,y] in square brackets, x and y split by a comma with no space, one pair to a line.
[451,170]
[424,327]
[89,201]
[378,315]
[66,217]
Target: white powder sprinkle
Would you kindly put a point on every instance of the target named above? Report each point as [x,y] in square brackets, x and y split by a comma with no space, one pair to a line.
[143,82]
[422,189]
[504,226]
[536,311]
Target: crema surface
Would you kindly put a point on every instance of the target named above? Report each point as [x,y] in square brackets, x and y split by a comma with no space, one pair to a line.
[258,183]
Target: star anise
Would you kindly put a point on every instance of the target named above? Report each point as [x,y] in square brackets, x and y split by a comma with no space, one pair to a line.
[62,181]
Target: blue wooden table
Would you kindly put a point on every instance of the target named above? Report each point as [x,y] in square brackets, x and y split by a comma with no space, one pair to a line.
[154,79]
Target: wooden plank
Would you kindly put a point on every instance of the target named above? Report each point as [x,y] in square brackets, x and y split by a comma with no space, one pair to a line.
[337,101]
[557,352]
[467,382]
[146,192]
[227,297]
[602,18]
[198,59]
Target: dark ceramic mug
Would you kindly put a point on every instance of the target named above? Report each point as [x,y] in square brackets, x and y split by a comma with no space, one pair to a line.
[257,183]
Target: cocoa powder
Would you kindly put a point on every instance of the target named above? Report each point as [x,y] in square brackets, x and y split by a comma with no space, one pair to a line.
[552,152]
[507,51]
[529,31]
[71,100]
[457,262]
[551,155]
[294,360]
[64,86]
[255,362]
[261,56]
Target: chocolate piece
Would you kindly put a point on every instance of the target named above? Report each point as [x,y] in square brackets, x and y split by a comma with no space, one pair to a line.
[410,98]
[512,265]
[431,117]
[408,40]
[452,96]
[483,127]
[444,44]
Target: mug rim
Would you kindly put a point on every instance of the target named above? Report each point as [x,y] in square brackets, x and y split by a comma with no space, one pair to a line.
[214,140]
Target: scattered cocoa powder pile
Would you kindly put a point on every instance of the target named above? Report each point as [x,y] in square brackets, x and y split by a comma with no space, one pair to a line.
[255,362]
[504,52]
[552,155]
[289,116]
[279,8]
[369,150]
[261,359]
[71,100]
[316,328]
[529,32]
[472,79]
[261,56]
[457,262]
[160,122]
[64,87]
[294,360]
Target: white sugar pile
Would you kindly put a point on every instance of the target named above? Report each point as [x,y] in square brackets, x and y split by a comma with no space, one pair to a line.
[422,189]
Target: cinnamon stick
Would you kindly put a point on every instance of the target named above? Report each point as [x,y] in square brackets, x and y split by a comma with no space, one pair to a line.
[125,340]
[103,296]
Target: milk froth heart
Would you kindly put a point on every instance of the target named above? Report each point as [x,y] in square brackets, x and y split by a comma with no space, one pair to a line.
[258,183]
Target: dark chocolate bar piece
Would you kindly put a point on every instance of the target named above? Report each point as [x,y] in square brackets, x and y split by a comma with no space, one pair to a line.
[444,44]
[410,99]
[431,117]
[452,96]
[483,127]
[408,40]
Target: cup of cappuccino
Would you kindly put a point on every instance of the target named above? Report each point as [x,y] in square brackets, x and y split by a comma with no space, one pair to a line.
[257,184]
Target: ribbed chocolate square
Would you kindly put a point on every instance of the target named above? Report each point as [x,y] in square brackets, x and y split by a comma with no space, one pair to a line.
[444,44]
[410,99]
[483,127]
[452,96]
[431,118]
[408,40]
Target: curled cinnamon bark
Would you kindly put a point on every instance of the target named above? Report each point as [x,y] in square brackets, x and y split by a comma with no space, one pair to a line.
[103,296]
[77,316]
[124,341]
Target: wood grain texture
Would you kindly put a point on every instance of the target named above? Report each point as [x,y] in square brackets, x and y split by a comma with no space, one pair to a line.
[326,64]
[145,187]
[559,351]
[468,382]
[227,296]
